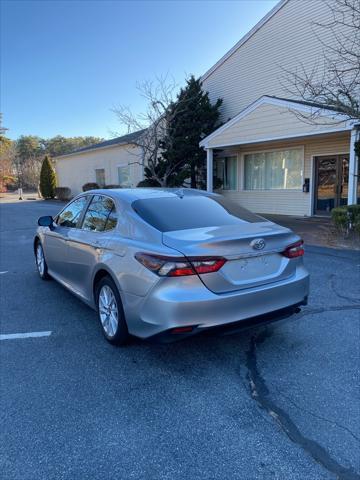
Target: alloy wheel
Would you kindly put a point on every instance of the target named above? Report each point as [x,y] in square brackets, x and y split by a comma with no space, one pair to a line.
[108,311]
[40,260]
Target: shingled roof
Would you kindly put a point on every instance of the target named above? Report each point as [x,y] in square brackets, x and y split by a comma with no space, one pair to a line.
[124,140]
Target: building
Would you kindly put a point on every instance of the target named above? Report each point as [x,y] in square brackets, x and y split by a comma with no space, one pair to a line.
[268,157]
[113,162]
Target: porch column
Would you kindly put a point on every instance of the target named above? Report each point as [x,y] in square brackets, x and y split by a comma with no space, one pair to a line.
[209,169]
[353,168]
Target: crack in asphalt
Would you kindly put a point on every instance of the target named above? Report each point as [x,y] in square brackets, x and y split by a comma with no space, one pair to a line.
[331,421]
[260,393]
[343,297]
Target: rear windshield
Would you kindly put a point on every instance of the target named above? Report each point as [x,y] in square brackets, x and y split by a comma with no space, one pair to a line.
[182,213]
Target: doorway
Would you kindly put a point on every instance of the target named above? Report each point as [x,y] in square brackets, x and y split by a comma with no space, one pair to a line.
[331,183]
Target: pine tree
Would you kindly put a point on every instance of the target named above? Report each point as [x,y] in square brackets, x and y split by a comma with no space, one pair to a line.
[189,119]
[47,179]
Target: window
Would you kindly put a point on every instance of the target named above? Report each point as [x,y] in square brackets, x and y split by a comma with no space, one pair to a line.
[100,176]
[100,215]
[273,170]
[124,176]
[71,214]
[192,211]
[226,171]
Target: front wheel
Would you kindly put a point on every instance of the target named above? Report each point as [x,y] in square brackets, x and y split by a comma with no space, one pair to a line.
[41,262]
[111,313]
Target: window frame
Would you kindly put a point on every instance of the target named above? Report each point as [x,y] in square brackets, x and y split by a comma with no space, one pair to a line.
[238,169]
[301,148]
[79,222]
[87,208]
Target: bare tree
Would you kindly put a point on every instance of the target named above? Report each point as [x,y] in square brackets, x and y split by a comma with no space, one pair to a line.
[159,95]
[162,108]
[335,81]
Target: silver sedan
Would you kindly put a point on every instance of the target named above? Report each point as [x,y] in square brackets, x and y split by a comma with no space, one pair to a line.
[168,263]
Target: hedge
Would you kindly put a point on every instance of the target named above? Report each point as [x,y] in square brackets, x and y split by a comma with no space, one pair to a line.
[63,193]
[346,217]
[90,186]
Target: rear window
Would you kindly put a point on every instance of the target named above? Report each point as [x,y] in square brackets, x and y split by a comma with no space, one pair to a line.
[182,213]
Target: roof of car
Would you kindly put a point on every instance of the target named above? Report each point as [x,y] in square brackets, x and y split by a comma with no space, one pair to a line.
[132,194]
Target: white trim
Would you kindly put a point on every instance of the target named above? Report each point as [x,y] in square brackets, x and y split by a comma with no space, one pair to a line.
[266,100]
[209,169]
[250,152]
[353,169]
[283,137]
[244,39]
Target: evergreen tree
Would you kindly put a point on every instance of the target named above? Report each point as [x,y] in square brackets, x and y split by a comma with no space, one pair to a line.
[189,119]
[47,179]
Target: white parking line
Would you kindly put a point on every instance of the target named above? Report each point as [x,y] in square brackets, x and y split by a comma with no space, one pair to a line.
[14,336]
[2,273]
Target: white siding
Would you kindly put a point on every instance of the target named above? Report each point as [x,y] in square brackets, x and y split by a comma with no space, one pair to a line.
[270,121]
[286,41]
[75,170]
[287,202]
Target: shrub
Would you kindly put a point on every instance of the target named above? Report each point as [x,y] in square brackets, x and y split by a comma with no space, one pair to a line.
[47,179]
[112,186]
[346,217]
[354,211]
[90,186]
[148,182]
[63,193]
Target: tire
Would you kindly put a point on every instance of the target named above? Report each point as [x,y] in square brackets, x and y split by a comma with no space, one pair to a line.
[110,312]
[40,261]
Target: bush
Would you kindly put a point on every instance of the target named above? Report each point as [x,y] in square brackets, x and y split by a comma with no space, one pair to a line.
[148,182]
[346,217]
[47,179]
[354,211]
[112,186]
[90,186]
[63,193]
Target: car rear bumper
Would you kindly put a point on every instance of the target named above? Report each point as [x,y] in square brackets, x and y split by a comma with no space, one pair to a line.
[173,305]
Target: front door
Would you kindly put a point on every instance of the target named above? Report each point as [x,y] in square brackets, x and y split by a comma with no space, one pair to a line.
[331,183]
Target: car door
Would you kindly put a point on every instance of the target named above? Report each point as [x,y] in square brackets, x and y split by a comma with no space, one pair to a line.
[87,245]
[56,238]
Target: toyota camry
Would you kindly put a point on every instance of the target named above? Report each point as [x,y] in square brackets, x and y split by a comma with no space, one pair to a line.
[170,262]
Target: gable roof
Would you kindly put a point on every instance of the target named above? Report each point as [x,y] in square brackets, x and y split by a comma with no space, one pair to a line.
[123,140]
[245,38]
[292,105]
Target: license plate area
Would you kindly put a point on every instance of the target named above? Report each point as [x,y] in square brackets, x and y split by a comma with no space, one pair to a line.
[258,268]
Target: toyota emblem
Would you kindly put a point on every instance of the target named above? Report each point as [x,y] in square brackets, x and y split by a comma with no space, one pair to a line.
[258,244]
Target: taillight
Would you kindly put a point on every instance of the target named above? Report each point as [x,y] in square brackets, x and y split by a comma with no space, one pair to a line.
[294,250]
[179,267]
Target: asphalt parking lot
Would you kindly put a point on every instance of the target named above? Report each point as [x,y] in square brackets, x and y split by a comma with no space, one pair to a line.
[275,402]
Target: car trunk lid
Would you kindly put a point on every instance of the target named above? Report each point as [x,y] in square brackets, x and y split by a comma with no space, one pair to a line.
[252,250]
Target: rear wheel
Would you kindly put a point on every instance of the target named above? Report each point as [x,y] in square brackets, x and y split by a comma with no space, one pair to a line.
[41,262]
[110,312]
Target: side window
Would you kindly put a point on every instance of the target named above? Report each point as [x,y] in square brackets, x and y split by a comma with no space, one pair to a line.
[100,215]
[71,214]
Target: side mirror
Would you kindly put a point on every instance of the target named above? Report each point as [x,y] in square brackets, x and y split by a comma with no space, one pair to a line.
[46,221]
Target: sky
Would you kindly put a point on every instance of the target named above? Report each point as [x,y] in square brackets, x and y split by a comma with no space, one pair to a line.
[66,64]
